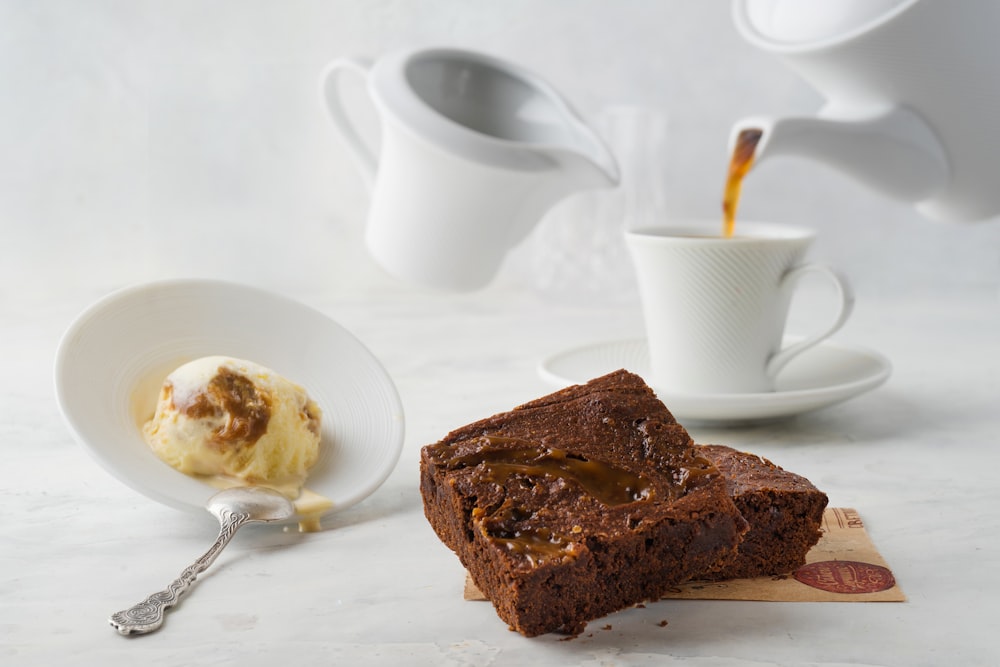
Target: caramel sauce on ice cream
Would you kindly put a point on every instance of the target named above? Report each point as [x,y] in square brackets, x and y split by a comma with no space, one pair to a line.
[246,408]
[235,423]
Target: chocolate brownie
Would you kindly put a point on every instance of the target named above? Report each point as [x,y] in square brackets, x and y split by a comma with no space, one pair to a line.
[784,511]
[577,504]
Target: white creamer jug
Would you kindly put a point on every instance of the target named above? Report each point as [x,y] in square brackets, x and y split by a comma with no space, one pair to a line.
[912,90]
[474,150]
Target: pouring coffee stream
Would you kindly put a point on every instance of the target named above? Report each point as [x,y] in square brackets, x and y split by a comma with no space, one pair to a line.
[739,165]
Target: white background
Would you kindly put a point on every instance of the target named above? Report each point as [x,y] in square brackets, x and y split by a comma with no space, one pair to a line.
[191,134]
[145,139]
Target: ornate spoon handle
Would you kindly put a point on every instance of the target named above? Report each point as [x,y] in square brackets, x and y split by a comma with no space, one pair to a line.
[147,616]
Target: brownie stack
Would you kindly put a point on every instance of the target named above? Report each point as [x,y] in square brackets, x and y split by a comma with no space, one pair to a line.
[784,510]
[580,503]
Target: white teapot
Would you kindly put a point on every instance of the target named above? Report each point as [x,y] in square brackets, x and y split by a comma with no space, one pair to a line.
[912,90]
[474,151]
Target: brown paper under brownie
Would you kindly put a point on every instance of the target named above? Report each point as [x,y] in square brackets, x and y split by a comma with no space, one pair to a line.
[844,566]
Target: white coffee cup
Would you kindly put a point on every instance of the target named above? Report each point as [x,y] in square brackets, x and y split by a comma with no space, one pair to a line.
[715,308]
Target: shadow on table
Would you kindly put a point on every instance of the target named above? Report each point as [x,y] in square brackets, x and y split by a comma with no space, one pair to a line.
[385,502]
[882,416]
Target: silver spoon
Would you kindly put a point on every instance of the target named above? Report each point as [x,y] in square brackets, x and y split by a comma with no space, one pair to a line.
[233,507]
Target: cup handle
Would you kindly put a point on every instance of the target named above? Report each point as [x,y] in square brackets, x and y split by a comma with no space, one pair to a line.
[845,295]
[362,152]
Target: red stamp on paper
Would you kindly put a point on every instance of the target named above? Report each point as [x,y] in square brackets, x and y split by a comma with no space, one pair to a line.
[845,576]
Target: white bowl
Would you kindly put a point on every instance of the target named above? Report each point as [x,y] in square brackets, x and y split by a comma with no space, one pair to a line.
[114,357]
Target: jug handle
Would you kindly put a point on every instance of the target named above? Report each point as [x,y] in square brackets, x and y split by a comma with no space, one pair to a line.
[361,151]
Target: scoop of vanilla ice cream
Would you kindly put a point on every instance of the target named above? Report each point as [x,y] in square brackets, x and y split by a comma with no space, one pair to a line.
[236,420]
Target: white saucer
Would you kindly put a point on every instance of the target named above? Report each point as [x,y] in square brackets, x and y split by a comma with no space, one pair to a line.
[822,376]
[113,358]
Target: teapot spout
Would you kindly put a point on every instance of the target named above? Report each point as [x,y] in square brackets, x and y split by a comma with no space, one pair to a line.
[891,150]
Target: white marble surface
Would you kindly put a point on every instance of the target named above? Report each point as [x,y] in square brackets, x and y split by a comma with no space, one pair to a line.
[917,457]
[128,127]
